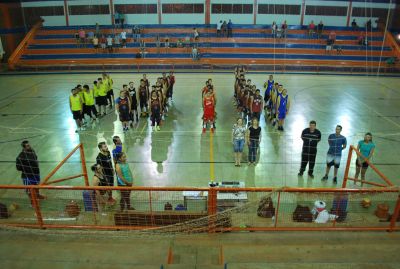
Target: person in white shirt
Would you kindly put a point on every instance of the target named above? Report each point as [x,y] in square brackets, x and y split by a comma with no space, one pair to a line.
[123,38]
[109,43]
[219,25]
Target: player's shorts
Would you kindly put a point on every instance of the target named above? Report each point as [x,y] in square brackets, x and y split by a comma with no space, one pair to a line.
[76,115]
[109,180]
[102,100]
[208,115]
[124,115]
[110,93]
[363,164]
[33,180]
[333,160]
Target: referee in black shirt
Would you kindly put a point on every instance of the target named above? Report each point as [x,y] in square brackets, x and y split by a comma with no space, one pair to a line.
[310,136]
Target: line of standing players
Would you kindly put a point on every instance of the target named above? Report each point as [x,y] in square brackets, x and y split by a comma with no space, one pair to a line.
[89,104]
[250,103]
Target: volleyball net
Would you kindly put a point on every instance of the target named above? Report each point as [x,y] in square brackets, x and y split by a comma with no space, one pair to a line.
[70,203]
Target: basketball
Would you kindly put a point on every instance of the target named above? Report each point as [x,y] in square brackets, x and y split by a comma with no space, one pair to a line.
[72,209]
[366,203]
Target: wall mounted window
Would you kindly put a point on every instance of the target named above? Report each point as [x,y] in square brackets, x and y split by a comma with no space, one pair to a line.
[136,8]
[182,8]
[326,10]
[33,14]
[279,9]
[369,12]
[89,10]
[232,9]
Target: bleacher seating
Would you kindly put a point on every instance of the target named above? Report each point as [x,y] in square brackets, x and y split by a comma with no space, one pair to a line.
[55,48]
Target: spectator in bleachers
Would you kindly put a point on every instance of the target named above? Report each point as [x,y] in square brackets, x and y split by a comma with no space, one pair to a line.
[109,43]
[179,43]
[354,25]
[117,42]
[166,44]
[219,25]
[136,33]
[229,26]
[97,30]
[224,28]
[311,29]
[116,18]
[122,20]
[331,41]
[187,43]
[320,28]
[90,36]
[103,42]
[196,34]
[158,43]
[368,25]
[123,38]
[77,39]
[284,29]
[195,53]
[274,27]
[95,42]
[82,37]
[143,48]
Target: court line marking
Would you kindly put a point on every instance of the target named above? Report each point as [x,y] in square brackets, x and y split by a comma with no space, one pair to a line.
[373,110]
[212,167]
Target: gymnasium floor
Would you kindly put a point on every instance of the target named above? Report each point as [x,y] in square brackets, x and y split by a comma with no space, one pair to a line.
[36,108]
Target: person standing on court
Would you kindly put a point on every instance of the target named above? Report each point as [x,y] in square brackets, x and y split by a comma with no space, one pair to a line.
[238,139]
[366,148]
[27,163]
[253,138]
[310,136]
[104,159]
[337,143]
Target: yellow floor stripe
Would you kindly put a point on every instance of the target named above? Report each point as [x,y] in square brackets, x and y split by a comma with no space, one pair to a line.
[212,174]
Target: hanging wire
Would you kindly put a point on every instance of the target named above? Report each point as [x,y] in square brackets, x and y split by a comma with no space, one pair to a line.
[384,37]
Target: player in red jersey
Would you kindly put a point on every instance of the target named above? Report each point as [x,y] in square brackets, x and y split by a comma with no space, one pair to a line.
[208,109]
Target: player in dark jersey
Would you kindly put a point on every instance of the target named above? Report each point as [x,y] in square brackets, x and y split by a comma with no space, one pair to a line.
[256,105]
[123,107]
[170,92]
[134,102]
[283,105]
[155,106]
[143,98]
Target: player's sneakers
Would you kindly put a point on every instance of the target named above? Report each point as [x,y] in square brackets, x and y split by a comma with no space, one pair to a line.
[325,178]
[310,175]
[335,180]
[111,200]
[41,197]
[204,130]
[212,130]
[300,174]
[158,128]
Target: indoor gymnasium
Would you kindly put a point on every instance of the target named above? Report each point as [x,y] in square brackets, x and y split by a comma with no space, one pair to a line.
[221,134]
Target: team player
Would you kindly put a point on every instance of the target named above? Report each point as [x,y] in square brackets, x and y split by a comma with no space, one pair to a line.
[170,92]
[268,85]
[256,105]
[134,103]
[123,107]
[274,92]
[143,98]
[282,105]
[108,82]
[76,106]
[155,106]
[276,96]
[102,96]
[337,143]
[104,159]
[208,110]
[89,108]
[96,97]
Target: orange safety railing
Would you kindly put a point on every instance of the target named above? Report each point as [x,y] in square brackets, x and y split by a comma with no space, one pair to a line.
[16,55]
[373,167]
[393,44]
[49,213]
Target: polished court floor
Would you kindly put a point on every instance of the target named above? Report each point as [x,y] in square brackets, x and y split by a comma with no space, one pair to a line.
[35,107]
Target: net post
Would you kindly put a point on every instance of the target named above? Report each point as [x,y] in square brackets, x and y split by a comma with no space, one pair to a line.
[277,209]
[35,204]
[151,209]
[346,171]
[395,215]
[83,162]
[211,208]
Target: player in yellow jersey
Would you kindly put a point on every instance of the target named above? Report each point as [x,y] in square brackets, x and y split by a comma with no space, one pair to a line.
[89,107]
[107,80]
[96,97]
[102,97]
[76,106]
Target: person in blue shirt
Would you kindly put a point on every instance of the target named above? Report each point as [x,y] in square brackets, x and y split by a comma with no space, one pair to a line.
[366,147]
[229,26]
[337,143]
[118,147]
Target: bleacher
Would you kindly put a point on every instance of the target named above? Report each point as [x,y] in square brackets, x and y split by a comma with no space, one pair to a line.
[54,48]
